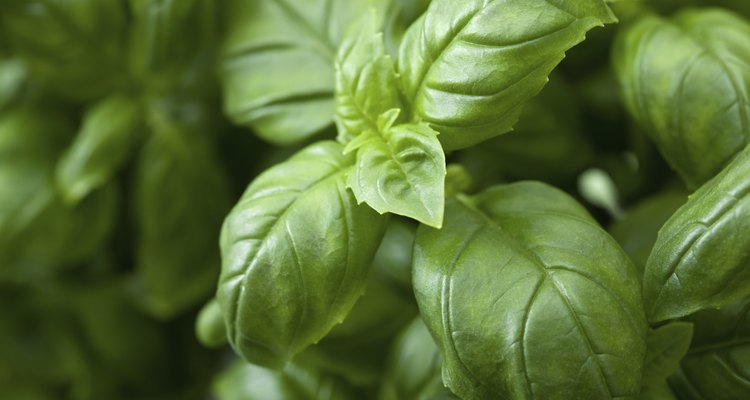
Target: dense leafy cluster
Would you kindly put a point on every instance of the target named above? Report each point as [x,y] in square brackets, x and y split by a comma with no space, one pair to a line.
[433,199]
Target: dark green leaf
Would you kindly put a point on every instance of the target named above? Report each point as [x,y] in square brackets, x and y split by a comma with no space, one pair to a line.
[700,259]
[37,230]
[717,367]
[414,368]
[180,199]
[668,68]
[529,298]
[665,348]
[296,252]
[110,132]
[637,231]
[72,46]
[513,46]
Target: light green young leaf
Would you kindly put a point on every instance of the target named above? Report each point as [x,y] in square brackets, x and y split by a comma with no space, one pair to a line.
[529,298]
[665,348]
[513,46]
[296,254]
[111,130]
[402,172]
[180,198]
[717,367]
[700,259]
[366,81]
[669,69]
[277,66]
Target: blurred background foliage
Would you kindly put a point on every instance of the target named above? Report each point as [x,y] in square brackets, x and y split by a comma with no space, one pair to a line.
[129,127]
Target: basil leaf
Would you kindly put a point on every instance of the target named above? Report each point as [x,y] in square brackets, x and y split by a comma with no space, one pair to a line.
[166,37]
[718,363]
[548,143]
[529,298]
[12,80]
[73,47]
[110,132]
[277,65]
[414,367]
[399,169]
[637,231]
[180,196]
[366,81]
[250,382]
[37,230]
[700,260]
[402,171]
[668,68]
[209,326]
[357,349]
[296,252]
[665,347]
[469,103]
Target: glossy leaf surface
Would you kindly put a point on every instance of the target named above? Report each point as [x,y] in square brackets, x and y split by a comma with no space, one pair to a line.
[296,250]
[701,258]
[668,68]
[529,298]
[357,348]
[471,102]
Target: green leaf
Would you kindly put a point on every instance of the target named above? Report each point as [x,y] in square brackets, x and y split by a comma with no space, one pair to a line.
[665,347]
[402,172]
[166,36]
[366,81]
[249,382]
[357,349]
[668,68]
[277,64]
[637,231]
[717,367]
[414,368]
[529,298]
[296,253]
[513,46]
[700,259]
[111,130]
[180,197]
[73,47]
[209,326]
[548,143]
[37,230]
